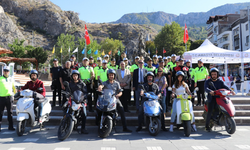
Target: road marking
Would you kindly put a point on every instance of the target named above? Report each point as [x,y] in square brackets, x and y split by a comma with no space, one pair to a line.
[243,146]
[154,148]
[9,132]
[148,139]
[200,147]
[62,148]
[71,140]
[242,130]
[31,139]
[109,139]
[108,148]
[16,148]
[41,132]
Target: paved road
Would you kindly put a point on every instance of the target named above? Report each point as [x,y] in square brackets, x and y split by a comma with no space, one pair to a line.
[201,140]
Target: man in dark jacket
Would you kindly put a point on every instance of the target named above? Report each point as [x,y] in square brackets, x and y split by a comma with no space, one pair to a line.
[65,75]
[218,84]
[78,85]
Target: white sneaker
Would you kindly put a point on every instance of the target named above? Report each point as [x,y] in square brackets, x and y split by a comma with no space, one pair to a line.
[171,128]
[194,127]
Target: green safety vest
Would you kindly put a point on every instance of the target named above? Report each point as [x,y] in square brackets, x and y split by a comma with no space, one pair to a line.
[85,73]
[200,74]
[150,69]
[133,67]
[96,71]
[192,73]
[172,65]
[103,74]
[113,67]
[7,86]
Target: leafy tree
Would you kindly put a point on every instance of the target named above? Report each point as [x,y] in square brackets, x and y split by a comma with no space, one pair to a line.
[39,53]
[112,45]
[17,48]
[171,39]
[150,45]
[196,44]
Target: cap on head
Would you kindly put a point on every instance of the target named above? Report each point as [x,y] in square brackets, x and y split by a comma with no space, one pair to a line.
[55,59]
[159,57]
[137,57]
[150,59]
[173,55]
[200,61]
[164,58]
[168,57]
[72,56]
[71,60]
[6,68]
[155,56]
[91,57]
[112,59]
[104,61]
[181,59]
[99,58]
[188,61]
[106,56]
[161,61]
[85,58]
[125,59]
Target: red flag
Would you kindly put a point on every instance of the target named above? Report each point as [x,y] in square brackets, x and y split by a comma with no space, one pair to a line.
[156,51]
[185,37]
[164,51]
[87,36]
[110,52]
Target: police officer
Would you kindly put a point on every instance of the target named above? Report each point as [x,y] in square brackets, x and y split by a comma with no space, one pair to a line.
[113,64]
[172,63]
[155,61]
[159,58]
[134,66]
[91,62]
[102,73]
[56,86]
[77,84]
[150,66]
[106,57]
[6,96]
[96,69]
[191,72]
[65,75]
[201,75]
[73,66]
[87,75]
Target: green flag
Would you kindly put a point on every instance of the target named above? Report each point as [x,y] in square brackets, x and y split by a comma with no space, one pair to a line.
[118,53]
[89,52]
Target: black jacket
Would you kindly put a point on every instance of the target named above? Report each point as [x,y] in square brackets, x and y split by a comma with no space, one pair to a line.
[135,77]
[78,86]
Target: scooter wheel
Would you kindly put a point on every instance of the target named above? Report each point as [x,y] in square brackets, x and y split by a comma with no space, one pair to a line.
[20,129]
[187,128]
[106,129]
[155,128]
[231,125]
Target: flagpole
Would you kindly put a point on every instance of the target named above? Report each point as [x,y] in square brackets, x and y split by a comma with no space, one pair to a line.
[77,55]
[69,52]
[61,55]
[54,51]
[85,48]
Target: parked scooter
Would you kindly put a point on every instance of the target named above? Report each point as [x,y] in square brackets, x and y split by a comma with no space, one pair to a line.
[184,110]
[72,112]
[25,111]
[152,112]
[224,115]
[106,115]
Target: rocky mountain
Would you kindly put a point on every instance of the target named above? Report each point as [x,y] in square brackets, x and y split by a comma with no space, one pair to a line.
[193,18]
[39,22]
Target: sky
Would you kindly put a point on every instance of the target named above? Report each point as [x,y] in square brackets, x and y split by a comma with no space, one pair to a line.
[100,11]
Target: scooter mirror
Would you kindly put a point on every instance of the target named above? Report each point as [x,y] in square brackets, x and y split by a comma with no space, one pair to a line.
[169,89]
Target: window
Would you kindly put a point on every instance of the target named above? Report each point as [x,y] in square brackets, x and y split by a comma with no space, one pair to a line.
[246,27]
[236,31]
[236,42]
[247,39]
[225,47]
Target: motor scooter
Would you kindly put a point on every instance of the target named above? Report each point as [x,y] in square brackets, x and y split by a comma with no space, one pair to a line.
[223,115]
[25,111]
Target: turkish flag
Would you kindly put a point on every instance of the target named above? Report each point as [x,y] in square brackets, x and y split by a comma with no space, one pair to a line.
[87,36]
[110,52]
[185,37]
[164,51]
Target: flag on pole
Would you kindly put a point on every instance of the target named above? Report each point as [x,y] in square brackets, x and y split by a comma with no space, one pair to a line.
[61,50]
[164,51]
[156,51]
[87,36]
[53,51]
[149,51]
[110,52]
[103,53]
[83,51]
[96,52]
[118,53]
[89,52]
[76,50]
[185,37]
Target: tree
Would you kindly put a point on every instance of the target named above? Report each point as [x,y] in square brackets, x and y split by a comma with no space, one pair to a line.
[171,39]
[17,48]
[112,45]
[39,53]
[150,45]
[196,44]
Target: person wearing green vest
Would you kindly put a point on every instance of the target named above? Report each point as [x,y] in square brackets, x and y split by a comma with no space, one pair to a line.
[172,63]
[106,57]
[200,76]
[96,69]
[155,61]
[161,64]
[6,96]
[127,66]
[134,66]
[87,75]
[102,73]
[191,72]
[113,64]
[150,66]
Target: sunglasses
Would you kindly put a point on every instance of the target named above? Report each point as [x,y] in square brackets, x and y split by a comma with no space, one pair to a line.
[6,70]
[140,62]
[159,71]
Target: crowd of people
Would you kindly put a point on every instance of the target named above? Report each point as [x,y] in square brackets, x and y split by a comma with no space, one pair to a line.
[156,75]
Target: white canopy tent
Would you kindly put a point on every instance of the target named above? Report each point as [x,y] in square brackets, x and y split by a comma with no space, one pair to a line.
[246,56]
[210,53]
